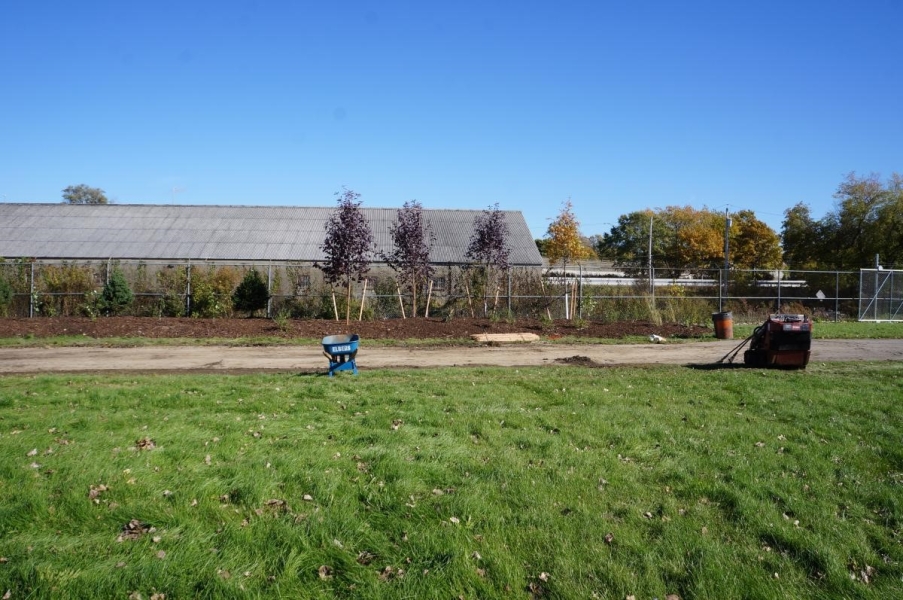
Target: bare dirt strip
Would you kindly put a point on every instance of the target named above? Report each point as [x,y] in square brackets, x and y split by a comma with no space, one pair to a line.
[309,359]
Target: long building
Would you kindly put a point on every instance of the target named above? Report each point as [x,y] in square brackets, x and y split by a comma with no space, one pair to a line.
[223,233]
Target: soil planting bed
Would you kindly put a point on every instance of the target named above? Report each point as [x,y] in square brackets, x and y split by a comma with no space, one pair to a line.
[398,329]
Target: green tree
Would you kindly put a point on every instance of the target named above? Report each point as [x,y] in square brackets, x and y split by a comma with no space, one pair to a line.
[116,295]
[627,243]
[867,220]
[801,238]
[84,194]
[251,294]
[564,241]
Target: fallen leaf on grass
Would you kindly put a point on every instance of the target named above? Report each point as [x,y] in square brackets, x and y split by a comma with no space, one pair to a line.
[609,538]
[455,520]
[32,452]
[365,558]
[95,491]
[396,423]
[390,573]
[207,460]
[134,529]
[145,443]
[325,572]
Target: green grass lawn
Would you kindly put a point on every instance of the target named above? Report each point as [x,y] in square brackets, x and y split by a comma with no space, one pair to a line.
[476,483]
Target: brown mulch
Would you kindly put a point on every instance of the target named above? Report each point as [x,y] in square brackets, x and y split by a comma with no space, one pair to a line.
[399,329]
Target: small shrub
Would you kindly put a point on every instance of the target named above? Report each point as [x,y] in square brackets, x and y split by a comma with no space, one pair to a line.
[281,319]
[6,296]
[116,295]
[251,294]
[211,291]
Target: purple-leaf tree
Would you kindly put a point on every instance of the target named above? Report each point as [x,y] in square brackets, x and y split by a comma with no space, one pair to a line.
[348,246]
[489,246]
[410,256]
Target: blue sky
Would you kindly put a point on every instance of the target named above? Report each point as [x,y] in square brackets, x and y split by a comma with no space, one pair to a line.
[618,106]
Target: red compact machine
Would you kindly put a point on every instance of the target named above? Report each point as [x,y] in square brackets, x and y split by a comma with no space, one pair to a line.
[781,341]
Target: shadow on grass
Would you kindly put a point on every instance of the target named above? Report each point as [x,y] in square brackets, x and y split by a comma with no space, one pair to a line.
[717,366]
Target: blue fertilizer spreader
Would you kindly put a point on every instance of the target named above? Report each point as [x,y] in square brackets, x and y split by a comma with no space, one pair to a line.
[341,351]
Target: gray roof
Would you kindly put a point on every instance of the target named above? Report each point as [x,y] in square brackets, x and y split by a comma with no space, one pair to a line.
[239,233]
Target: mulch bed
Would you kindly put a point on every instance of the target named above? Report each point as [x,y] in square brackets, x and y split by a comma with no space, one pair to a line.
[399,329]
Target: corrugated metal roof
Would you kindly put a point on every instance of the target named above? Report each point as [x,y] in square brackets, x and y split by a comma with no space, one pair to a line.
[240,233]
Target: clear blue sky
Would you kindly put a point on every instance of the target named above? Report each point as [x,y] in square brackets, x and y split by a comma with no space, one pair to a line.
[618,105]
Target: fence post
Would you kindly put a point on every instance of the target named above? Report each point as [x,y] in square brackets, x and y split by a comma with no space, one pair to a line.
[836,294]
[778,309]
[31,294]
[652,284]
[509,292]
[188,289]
[580,293]
[270,290]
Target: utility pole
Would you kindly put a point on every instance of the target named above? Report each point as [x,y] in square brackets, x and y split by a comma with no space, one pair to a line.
[651,276]
[727,250]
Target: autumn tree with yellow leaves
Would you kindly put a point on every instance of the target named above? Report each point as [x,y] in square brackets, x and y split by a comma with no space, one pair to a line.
[689,240]
[564,242]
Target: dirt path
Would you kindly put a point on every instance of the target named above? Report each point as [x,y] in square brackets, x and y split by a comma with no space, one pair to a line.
[310,358]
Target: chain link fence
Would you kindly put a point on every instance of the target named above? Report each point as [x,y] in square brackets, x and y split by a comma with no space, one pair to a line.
[48,288]
[880,295]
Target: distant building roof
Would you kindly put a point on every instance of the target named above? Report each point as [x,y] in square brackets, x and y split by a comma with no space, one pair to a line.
[238,233]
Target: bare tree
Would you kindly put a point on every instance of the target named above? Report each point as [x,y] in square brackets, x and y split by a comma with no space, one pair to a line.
[410,257]
[348,245]
[84,194]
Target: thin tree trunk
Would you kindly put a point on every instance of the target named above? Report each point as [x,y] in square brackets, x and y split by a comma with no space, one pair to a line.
[335,307]
[469,300]
[414,300]
[400,302]
[543,287]
[360,315]
[429,296]
[348,305]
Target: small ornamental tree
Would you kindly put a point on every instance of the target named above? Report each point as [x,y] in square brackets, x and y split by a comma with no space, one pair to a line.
[251,294]
[116,295]
[488,245]
[564,242]
[410,257]
[348,245]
